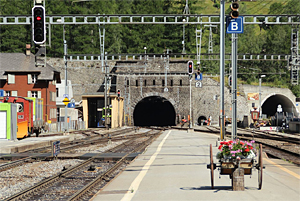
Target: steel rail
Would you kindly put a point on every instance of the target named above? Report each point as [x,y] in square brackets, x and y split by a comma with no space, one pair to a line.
[13,164]
[89,186]
[82,141]
[51,180]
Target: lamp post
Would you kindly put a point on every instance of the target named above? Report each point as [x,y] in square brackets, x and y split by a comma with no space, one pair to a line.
[260,108]
[183,37]
[66,73]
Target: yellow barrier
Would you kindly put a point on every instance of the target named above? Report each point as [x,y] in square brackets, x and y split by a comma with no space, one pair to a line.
[22,129]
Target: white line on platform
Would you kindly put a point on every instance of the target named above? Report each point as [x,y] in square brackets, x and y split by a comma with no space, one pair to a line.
[137,181]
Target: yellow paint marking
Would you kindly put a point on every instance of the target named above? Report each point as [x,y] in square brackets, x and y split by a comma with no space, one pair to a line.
[284,169]
[137,181]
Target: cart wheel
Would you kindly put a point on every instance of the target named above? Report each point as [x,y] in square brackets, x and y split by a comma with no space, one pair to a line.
[260,167]
[211,167]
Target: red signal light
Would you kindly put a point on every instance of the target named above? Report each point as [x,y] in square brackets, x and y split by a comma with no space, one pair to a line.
[119,93]
[190,67]
[38,18]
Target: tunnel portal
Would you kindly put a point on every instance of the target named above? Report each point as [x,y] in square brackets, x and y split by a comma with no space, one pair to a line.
[269,107]
[202,121]
[154,111]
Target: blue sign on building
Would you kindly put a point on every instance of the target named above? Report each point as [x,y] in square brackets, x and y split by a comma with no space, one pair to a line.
[71,105]
[234,25]
[1,92]
[198,76]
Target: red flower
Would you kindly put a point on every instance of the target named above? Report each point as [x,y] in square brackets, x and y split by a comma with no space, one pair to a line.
[220,147]
[230,142]
[247,150]
[222,142]
[242,143]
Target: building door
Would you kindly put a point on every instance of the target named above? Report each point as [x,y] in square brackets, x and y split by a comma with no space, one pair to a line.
[3,122]
[95,106]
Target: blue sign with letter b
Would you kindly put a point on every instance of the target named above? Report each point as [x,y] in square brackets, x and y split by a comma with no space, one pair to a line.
[234,25]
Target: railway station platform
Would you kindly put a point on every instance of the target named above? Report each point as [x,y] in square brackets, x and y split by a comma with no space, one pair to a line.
[174,167]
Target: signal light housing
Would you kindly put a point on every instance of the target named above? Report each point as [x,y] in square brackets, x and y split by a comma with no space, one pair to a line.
[38,25]
[119,93]
[230,80]
[190,66]
[234,13]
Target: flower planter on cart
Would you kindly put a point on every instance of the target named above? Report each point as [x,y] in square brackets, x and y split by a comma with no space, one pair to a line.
[236,169]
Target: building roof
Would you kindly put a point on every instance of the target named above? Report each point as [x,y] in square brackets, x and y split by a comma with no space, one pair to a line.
[21,63]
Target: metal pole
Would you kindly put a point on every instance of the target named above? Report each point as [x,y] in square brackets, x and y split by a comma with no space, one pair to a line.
[190,77]
[166,69]
[234,86]
[260,108]
[105,97]
[260,97]
[119,112]
[222,68]
[124,102]
[183,33]
[66,77]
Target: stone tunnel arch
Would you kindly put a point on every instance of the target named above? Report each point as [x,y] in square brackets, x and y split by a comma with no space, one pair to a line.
[154,111]
[270,103]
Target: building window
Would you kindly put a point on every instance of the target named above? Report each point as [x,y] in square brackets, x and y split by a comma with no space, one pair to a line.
[136,83]
[14,93]
[34,94]
[52,96]
[11,79]
[145,82]
[163,82]
[32,78]
[180,82]
[11,93]
[171,82]
[153,82]
[57,92]
[53,113]
[127,82]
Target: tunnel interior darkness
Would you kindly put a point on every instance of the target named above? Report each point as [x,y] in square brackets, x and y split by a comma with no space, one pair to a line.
[154,111]
[201,120]
[269,107]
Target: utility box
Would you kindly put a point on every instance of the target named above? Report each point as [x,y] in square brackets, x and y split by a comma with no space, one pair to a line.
[8,121]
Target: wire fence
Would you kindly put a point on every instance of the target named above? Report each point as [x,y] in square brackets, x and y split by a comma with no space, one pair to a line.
[71,125]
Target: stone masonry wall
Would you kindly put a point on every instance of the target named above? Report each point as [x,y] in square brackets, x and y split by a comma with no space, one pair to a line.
[88,77]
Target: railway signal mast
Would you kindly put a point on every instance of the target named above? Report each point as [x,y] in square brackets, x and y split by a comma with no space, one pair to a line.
[295,56]
[38,25]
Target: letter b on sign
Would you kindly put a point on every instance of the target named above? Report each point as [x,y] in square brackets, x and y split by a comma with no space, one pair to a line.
[234,26]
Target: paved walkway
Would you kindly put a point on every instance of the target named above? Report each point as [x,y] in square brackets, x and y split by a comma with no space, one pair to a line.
[174,168]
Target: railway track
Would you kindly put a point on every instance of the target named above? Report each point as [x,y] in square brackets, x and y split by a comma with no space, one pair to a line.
[123,134]
[278,145]
[94,136]
[74,183]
